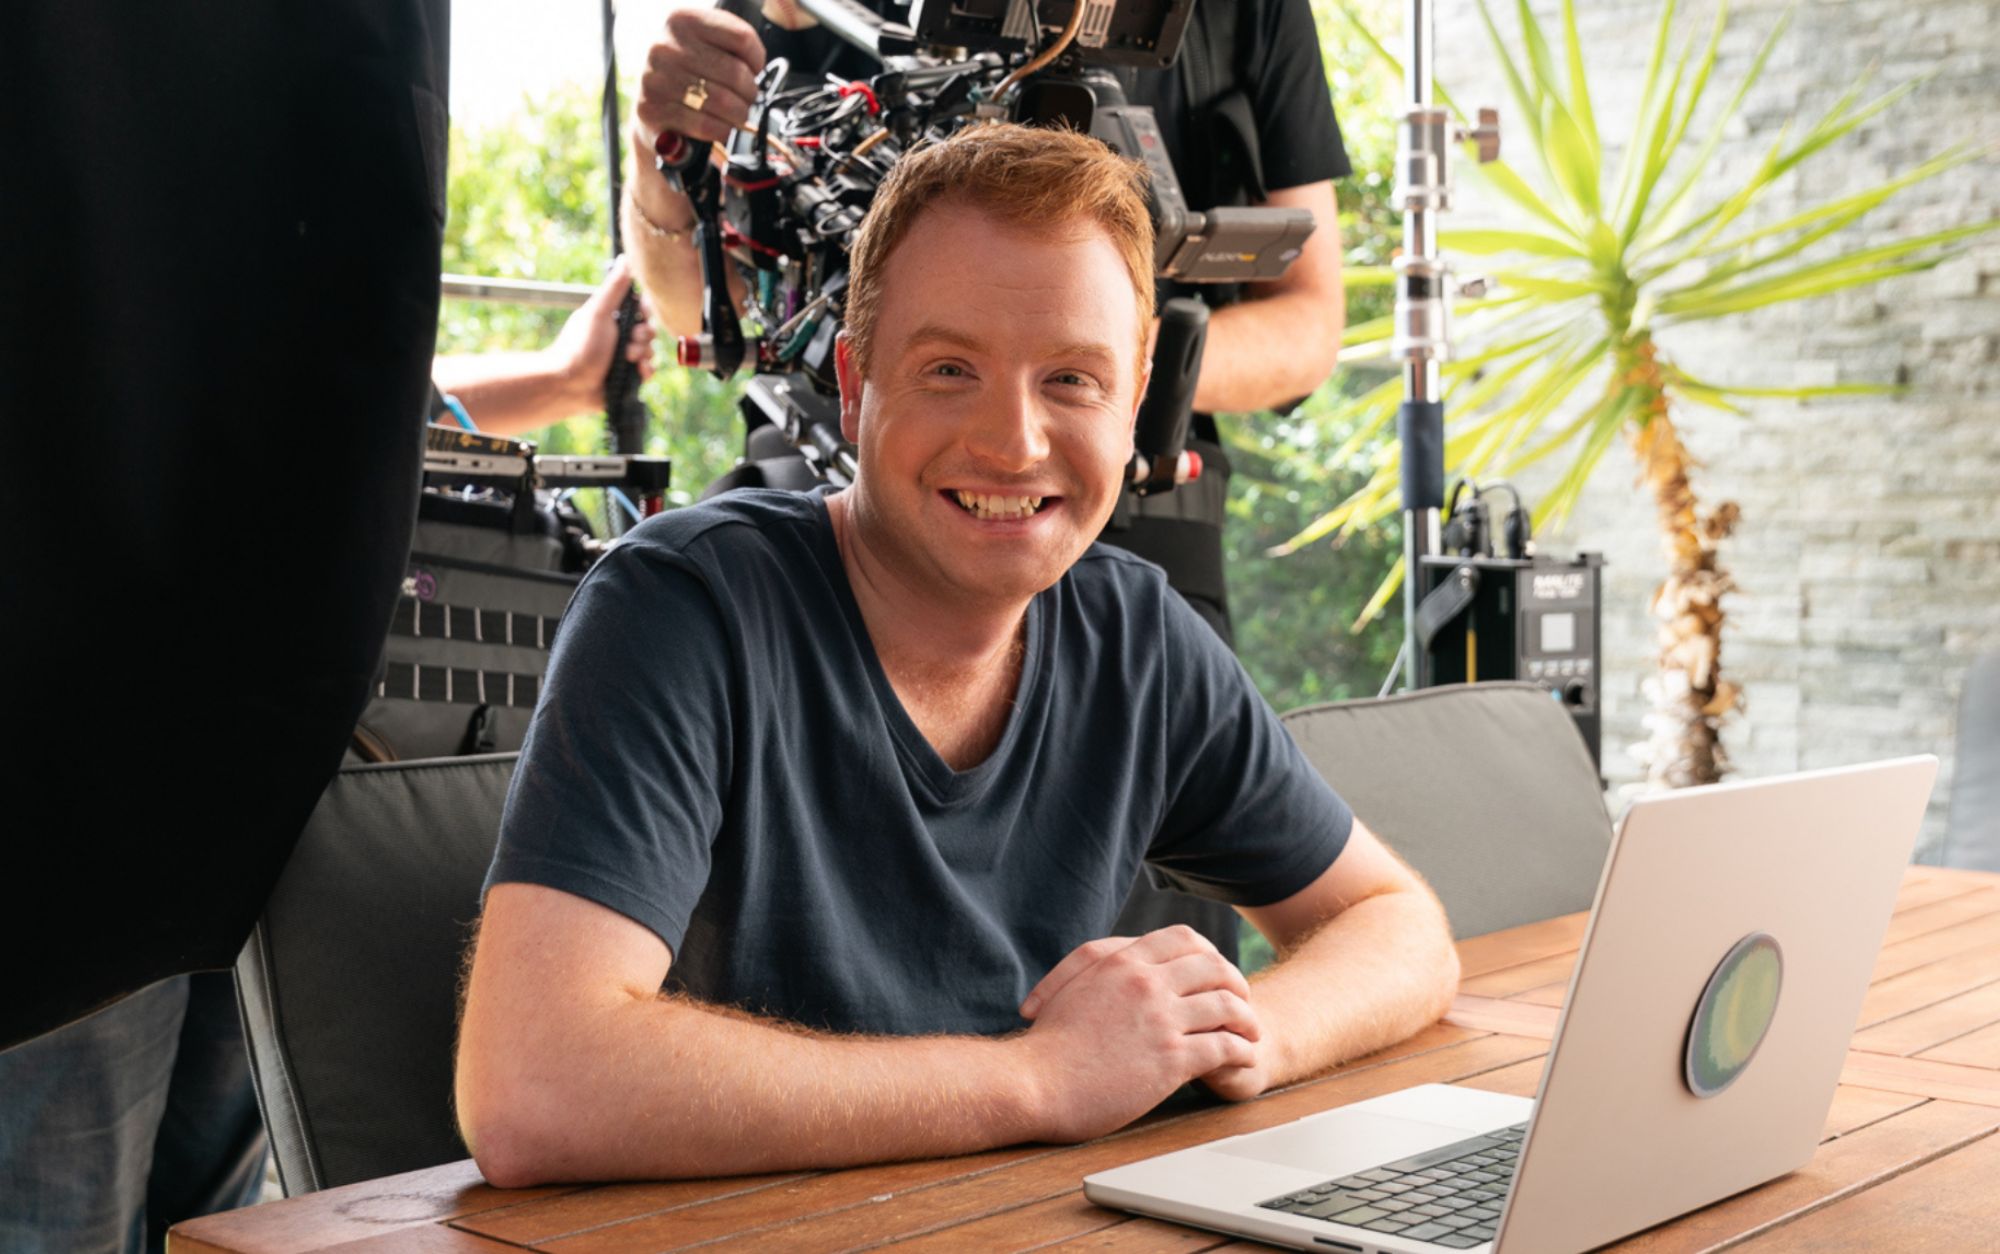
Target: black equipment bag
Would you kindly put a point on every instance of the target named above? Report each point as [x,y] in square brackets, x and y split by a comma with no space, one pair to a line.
[469,641]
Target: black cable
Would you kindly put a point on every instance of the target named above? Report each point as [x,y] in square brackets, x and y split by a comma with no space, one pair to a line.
[1517,530]
[625,415]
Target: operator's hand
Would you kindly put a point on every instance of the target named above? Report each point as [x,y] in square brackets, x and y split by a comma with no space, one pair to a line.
[1120,1024]
[705,57]
[582,351]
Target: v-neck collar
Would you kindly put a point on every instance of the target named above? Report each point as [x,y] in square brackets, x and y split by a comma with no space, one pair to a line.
[934,776]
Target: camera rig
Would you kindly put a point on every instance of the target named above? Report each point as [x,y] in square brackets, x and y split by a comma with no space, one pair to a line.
[777,209]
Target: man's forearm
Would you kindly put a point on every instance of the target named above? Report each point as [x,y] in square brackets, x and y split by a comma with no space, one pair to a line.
[1265,353]
[510,393]
[658,224]
[1381,971]
[723,1093]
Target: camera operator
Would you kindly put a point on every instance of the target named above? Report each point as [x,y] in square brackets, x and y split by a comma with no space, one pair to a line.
[1246,119]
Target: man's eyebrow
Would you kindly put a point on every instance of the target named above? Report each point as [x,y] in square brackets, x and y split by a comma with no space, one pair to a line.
[935,333]
[1086,350]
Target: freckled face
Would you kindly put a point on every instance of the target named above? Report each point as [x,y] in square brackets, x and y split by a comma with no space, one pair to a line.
[995,421]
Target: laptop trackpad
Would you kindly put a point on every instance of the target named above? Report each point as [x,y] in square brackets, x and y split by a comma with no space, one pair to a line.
[1349,1141]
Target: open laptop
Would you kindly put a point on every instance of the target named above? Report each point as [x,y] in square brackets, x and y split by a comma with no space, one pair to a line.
[1728,953]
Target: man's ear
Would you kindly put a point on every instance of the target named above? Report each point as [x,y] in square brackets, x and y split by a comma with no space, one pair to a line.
[1146,368]
[850,388]
[1139,400]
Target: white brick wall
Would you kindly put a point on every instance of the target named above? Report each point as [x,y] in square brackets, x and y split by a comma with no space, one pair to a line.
[1869,551]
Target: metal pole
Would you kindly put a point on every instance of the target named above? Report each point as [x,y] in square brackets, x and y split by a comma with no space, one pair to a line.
[516,291]
[1420,329]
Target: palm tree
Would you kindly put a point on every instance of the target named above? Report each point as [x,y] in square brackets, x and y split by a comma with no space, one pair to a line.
[1563,358]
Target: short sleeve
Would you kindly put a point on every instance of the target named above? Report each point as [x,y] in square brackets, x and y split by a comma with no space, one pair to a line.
[1297,134]
[1248,821]
[622,779]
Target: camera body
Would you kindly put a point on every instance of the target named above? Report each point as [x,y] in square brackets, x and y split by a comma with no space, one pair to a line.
[1144,35]
[784,211]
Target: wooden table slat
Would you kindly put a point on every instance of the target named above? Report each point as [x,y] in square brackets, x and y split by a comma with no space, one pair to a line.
[1963,907]
[1530,942]
[1981,935]
[1496,1014]
[1927,985]
[595,1207]
[1065,1217]
[1974,1049]
[1855,1108]
[428,1239]
[1935,1024]
[1145,1236]
[1842,1167]
[1516,979]
[1944,1203]
[322,1221]
[1923,1077]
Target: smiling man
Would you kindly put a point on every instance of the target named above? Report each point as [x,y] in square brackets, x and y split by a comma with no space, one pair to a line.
[832,799]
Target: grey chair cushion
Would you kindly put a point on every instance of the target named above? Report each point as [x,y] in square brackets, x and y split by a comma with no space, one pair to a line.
[1486,789]
[349,983]
[1972,833]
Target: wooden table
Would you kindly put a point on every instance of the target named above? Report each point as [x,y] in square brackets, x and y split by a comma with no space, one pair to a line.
[1908,1160]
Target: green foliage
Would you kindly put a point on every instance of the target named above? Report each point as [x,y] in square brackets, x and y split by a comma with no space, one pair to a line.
[1595,266]
[528,200]
[1291,613]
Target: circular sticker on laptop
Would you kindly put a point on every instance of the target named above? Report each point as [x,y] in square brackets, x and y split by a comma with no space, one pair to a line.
[1734,1013]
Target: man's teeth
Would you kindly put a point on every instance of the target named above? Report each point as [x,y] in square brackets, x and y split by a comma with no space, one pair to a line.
[988,505]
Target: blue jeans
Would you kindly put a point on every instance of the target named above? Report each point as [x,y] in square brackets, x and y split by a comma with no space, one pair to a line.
[122,1124]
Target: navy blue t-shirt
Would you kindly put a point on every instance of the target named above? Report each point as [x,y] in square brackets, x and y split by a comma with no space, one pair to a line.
[718,755]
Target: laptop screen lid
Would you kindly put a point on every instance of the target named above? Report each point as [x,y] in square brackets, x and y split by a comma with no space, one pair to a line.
[1760,903]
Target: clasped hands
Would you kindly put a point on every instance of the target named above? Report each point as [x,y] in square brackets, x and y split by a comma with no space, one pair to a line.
[1121,1023]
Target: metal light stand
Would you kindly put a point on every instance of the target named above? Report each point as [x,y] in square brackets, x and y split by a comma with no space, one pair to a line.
[1422,337]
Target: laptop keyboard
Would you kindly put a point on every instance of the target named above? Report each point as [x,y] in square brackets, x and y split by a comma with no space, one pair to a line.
[1449,1196]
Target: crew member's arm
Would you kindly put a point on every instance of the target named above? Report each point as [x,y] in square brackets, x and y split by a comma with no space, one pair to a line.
[573,1066]
[512,393]
[719,50]
[1365,960]
[1281,342]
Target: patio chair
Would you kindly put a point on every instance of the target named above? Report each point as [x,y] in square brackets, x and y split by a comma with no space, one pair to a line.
[1972,831]
[1486,789]
[349,983]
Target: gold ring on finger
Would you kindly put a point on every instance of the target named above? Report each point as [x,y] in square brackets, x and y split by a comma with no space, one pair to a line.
[696,94]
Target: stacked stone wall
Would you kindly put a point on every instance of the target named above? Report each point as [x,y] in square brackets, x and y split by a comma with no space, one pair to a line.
[1869,549]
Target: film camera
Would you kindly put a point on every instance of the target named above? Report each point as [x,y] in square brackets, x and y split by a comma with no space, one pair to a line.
[781,206]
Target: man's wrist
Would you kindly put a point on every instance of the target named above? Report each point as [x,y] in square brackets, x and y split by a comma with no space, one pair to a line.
[1021,1096]
[655,207]
[654,224]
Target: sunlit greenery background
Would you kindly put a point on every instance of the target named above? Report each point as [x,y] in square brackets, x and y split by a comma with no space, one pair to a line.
[528,200]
